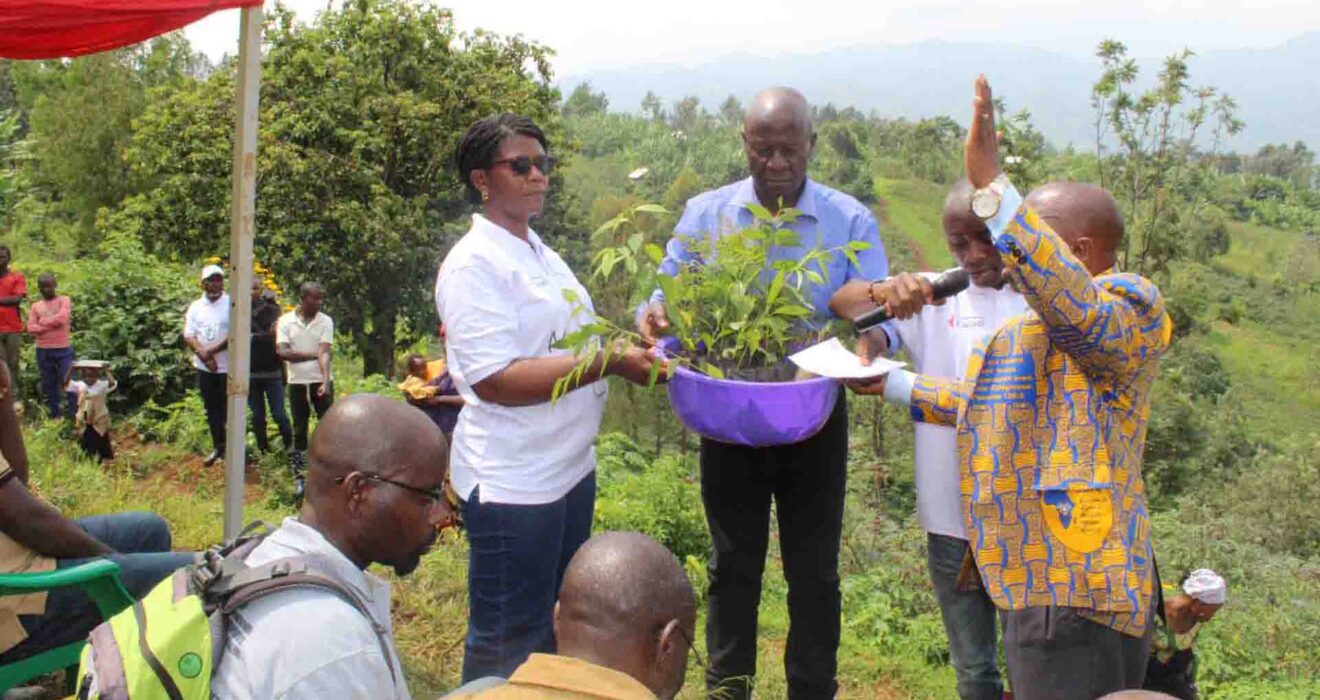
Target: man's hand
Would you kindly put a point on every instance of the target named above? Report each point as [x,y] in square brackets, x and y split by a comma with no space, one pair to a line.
[981,152]
[903,295]
[211,365]
[322,390]
[867,387]
[652,322]
[871,345]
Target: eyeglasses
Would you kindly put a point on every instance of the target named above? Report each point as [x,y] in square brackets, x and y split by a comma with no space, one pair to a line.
[692,647]
[437,494]
[522,165]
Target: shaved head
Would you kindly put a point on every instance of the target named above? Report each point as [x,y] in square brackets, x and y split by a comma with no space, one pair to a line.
[373,468]
[778,138]
[626,604]
[1085,216]
[781,106]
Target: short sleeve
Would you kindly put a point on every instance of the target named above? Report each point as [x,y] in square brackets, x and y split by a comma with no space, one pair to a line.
[281,331]
[364,674]
[190,323]
[20,287]
[481,323]
[328,331]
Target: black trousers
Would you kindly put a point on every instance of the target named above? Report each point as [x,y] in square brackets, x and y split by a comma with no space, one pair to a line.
[302,400]
[214,388]
[1056,654]
[807,482]
[96,444]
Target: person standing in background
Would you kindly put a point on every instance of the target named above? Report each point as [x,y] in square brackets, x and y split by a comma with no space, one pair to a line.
[303,339]
[13,290]
[266,381]
[48,324]
[206,331]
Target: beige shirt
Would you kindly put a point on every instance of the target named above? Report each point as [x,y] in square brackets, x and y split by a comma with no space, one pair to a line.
[305,336]
[548,677]
[17,559]
[92,409]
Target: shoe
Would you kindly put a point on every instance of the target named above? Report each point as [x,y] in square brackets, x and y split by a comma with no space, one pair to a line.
[215,457]
[299,490]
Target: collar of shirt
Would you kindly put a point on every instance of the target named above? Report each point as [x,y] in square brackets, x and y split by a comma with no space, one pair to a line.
[746,194]
[224,299]
[505,239]
[302,539]
[572,675]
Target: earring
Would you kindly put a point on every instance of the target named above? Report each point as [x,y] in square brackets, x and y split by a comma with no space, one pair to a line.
[485,196]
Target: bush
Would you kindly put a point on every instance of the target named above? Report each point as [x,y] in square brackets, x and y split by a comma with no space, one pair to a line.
[662,500]
[128,308]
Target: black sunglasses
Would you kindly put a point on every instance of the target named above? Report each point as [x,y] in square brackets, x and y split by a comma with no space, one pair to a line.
[522,165]
[436,494]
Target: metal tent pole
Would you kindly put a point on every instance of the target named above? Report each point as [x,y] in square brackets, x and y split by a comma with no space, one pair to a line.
[242,229]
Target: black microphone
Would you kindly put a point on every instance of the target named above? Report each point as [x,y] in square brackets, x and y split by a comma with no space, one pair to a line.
[947,284]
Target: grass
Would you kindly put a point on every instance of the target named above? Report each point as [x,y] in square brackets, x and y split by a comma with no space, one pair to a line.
[911,210]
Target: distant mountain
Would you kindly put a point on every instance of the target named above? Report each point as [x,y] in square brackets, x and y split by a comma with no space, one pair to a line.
[1277,91]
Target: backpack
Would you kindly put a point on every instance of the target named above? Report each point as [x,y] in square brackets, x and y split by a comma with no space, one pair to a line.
[169,643]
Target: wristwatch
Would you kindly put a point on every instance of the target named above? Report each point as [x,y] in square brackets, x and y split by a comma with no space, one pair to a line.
[985,201]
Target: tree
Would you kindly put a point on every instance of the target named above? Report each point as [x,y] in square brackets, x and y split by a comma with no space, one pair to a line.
[688,117]
[582,102]
[731,112]
[652,107]
[361,112]
[80,115]
[1154,172]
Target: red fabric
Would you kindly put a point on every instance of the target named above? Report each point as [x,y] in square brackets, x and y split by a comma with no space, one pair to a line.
[11,284]
[32,29]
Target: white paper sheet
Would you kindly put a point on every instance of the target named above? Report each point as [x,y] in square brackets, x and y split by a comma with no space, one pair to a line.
[832,359]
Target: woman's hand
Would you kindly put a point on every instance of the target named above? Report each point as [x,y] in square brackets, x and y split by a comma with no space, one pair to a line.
[635,365]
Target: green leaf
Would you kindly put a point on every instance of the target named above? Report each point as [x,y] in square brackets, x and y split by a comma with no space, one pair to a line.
[793,311]
[655,253]
[760,212]
[650,209]
[711,370]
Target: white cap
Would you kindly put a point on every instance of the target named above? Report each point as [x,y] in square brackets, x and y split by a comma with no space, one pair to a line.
[1206,586]
[211,271]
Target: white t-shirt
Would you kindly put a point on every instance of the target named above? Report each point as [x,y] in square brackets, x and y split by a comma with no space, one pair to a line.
[940,341]
[303,336]
[209,321]
[309,644]
[502,299]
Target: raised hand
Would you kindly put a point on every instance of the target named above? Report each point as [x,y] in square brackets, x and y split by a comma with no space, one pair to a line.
[981,151]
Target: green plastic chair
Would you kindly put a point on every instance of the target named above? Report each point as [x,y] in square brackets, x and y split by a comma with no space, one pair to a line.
[99,579]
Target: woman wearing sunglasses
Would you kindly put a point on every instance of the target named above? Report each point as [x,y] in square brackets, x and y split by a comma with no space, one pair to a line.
[523,467]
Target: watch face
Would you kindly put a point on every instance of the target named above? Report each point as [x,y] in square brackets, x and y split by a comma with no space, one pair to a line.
[985,203]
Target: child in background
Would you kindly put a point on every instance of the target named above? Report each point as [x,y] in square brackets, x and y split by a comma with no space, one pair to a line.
[429,387]
[93,415]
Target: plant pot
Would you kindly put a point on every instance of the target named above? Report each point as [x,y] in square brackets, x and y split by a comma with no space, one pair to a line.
[753,414]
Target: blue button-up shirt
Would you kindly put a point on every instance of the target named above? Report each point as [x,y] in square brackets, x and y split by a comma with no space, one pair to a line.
[830,219]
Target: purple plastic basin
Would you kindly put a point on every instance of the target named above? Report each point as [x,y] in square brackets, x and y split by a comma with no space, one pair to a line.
[751,413]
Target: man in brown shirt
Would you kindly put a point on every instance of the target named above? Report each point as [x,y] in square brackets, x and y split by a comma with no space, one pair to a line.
[623,623]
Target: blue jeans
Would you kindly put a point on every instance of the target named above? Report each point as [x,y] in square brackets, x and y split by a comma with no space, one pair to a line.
[969,620]
[516,560]
[260,393]
[144,559]
[54,363]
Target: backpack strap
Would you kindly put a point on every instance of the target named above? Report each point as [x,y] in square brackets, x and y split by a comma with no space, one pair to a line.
[239,584]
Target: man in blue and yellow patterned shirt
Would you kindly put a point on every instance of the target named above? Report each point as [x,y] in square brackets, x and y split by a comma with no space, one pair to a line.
[1051,423]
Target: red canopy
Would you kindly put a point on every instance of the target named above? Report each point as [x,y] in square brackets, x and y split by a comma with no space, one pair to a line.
[31,29]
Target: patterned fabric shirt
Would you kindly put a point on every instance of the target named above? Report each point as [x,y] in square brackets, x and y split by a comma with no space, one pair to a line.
[1051,424]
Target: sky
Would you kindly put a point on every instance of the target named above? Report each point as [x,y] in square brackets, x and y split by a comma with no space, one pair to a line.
[596,34]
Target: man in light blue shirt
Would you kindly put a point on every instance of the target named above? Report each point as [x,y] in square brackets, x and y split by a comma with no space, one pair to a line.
[807,479]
